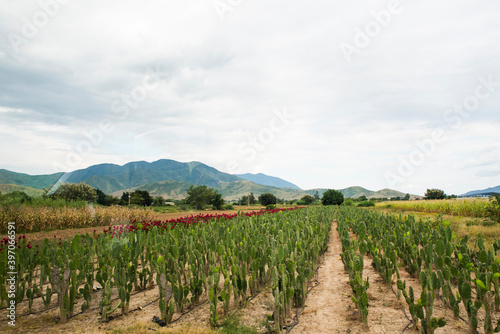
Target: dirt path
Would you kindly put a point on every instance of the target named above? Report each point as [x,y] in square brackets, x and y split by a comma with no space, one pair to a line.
[329,308]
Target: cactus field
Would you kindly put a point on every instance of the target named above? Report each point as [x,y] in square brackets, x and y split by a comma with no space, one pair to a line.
[311,270]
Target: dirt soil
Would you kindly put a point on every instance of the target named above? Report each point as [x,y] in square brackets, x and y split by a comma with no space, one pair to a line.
[329,308]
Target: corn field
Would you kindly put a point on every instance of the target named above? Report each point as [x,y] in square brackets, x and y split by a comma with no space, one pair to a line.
[455,207]
[34,219]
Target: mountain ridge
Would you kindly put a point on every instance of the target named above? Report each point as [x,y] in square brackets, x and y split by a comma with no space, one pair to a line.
[484,192]
[170,178]
[267,180]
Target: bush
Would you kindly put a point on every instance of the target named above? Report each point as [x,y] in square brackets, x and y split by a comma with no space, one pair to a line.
[270,207]
[348,202]
[308,199]
[493,211]
[229,207]
[366,204]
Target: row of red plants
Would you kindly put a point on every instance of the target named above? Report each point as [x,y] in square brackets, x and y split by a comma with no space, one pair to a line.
[185,221]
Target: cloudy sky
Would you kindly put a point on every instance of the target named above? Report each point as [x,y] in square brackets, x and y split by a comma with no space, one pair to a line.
[381,94]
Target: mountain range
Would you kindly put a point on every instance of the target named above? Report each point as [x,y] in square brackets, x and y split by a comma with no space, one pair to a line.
[170,179]
[485,192]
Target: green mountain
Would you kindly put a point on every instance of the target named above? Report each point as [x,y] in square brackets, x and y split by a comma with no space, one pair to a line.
[231,191]
[111,178]
[32,181]
[267,180]
[8,188]
[170,179]
[235,190]
[165,189]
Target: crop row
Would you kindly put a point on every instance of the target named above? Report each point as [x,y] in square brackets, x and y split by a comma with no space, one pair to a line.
[32,219]
[227,260]
[466,278]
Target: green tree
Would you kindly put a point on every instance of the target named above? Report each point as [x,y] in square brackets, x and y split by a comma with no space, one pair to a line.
[407,197]
[316,195]
[251,199]
[101,197]
[216,200]
[267,198]
[362,198]
[125,199]
[76,192]
[435,194]
[158,201]
[141,197]
[243,200]
[308,199]
[332,197]
[199,196]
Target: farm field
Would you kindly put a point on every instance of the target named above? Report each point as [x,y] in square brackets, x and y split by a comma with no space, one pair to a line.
[37,237]
[341,270]
[475,207]
[466,217]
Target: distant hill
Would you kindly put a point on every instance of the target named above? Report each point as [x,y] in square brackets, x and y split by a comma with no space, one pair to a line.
[267,180]
[230,190]
[8,188]
[485,192]
[355,192]
[32,181]
[235,190]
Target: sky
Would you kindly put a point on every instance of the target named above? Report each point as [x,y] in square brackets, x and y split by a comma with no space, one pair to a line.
[399,94]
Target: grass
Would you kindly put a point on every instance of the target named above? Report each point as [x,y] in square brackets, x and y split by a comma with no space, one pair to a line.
[476,207]
[166,209]
[147,327]
[231,325]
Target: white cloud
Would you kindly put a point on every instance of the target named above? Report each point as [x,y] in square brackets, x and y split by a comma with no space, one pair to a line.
[222,79]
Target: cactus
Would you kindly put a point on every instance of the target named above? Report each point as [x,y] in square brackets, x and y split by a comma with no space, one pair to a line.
[166,304]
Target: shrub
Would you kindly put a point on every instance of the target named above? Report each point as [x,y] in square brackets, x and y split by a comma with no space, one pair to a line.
[308,199]
[270,207]
[366,203]
[493,211]
[348,202]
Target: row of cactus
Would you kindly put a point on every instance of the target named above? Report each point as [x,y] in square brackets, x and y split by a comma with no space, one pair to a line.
[227,260]
[425,252]
[354,264]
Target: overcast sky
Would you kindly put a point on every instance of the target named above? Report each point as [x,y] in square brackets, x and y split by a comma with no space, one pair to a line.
[380,94]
